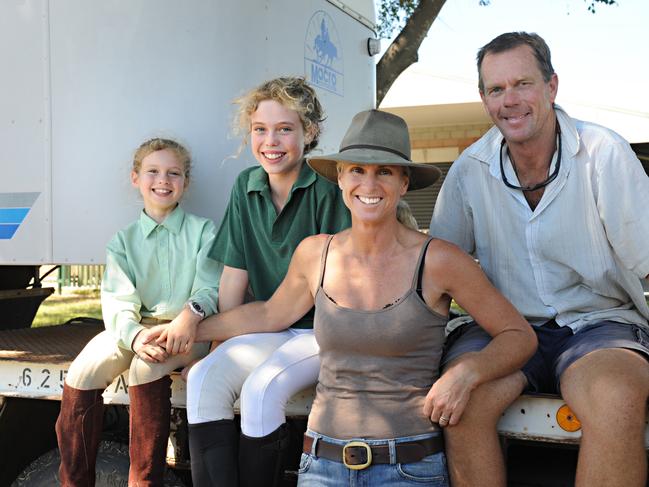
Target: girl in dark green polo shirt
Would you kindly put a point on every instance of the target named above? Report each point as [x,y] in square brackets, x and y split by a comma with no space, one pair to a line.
[273,206]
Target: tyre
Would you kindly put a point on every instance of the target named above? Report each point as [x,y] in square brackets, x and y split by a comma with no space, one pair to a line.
[111,469]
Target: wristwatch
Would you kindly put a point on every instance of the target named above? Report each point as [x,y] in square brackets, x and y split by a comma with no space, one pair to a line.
[196,308]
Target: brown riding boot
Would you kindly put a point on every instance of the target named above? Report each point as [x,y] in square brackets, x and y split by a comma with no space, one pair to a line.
[149,431]
[78,431]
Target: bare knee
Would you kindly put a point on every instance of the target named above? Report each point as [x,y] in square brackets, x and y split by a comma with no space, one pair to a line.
[608,383]
[488,402]
[472,445]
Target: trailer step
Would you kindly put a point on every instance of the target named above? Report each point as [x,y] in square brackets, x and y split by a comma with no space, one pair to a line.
[51,344]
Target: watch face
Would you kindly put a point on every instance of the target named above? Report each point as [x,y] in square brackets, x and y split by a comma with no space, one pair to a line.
[196,308]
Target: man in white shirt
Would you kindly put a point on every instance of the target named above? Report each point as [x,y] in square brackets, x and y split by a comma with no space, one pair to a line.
[557,212]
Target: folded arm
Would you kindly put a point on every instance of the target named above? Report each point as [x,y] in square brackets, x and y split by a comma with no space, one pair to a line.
[120,300]
[181,331]
[456,274]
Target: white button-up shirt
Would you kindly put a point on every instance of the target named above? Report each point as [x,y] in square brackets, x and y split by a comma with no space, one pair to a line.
[578,257]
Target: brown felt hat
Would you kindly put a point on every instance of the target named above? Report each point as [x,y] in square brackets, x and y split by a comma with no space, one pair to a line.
[376,137]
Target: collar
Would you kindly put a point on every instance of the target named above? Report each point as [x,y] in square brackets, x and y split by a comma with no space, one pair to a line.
[487,149]
[172,223]
[258,179]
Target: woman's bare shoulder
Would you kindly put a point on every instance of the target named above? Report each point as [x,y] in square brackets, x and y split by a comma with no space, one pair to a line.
[311,246]
[443,256]
[441,245]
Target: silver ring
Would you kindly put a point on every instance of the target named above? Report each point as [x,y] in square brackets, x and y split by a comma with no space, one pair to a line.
[443,419]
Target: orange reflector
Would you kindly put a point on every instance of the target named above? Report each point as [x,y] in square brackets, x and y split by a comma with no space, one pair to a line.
[567,419]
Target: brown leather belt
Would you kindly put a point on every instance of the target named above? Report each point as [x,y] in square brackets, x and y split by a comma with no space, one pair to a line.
[357,455]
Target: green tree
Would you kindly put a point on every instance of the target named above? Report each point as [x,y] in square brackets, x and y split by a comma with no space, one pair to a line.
[413,19]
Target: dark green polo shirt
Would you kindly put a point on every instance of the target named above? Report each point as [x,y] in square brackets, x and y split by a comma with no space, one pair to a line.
[255,238]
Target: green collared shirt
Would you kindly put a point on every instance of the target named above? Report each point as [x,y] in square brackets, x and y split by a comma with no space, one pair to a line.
[255,238]
[153,269]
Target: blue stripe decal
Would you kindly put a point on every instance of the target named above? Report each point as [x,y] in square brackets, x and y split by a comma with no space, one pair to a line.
[17,200]
[14,207]
[13,215]
[7,230]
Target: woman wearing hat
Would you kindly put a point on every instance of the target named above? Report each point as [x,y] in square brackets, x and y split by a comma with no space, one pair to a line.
[382,294]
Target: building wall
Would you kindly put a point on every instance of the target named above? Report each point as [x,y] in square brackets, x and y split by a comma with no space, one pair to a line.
[439,145]
[444,143]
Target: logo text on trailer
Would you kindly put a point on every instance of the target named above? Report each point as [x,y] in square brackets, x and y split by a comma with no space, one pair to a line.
[323,55]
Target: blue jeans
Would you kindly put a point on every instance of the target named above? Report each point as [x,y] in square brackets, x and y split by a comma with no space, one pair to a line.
[320,472]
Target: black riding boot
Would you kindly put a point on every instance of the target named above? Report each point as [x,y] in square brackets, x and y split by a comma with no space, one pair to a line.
[213,452]
[261,459]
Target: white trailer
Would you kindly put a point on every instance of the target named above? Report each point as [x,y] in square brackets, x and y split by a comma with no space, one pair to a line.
[83,83]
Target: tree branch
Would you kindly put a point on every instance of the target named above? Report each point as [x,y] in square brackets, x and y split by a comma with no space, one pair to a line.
[403,50]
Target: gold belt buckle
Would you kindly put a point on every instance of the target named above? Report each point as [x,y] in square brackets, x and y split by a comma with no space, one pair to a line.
[368,451]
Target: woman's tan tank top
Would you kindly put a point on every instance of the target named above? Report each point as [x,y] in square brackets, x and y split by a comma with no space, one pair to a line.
[376,366]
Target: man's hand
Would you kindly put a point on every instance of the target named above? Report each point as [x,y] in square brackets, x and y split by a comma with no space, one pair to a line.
[449,395]
[149,352]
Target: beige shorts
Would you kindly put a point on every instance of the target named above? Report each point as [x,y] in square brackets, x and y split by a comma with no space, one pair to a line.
[102,360]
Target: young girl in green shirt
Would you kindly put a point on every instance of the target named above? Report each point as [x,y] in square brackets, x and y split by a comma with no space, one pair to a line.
[158,271]
[273,206]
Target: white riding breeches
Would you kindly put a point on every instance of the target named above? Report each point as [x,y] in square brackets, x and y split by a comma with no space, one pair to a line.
[263,369]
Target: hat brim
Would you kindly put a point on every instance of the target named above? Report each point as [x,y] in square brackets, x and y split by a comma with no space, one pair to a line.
[421,174]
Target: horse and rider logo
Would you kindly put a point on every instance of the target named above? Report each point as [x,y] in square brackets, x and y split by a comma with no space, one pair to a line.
[324,48]
[323,60]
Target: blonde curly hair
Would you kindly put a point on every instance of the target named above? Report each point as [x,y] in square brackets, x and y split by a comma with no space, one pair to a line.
[292,92]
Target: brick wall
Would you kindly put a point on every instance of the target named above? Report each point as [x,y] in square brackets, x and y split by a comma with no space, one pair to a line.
[439,145]
[444,143]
